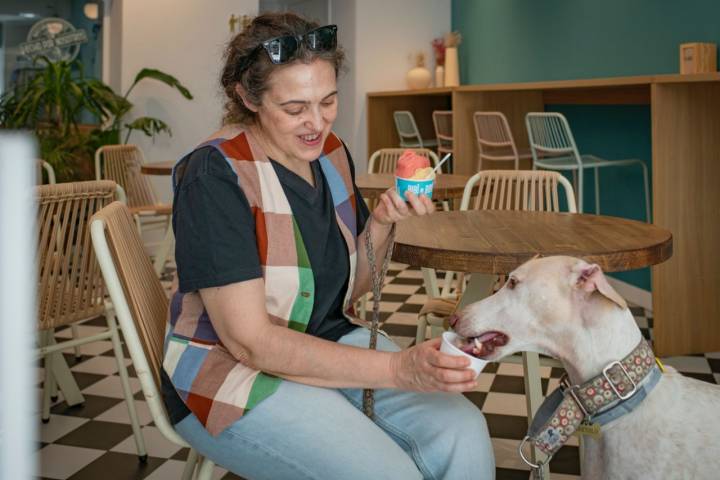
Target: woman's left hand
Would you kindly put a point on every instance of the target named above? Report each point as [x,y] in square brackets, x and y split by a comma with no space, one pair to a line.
[391,208]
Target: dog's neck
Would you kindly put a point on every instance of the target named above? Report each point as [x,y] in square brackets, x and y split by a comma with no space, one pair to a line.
[608,334]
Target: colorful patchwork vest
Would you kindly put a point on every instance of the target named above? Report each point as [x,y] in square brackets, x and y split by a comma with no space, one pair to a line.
[215,386]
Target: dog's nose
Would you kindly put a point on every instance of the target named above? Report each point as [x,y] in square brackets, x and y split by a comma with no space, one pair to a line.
[453,319]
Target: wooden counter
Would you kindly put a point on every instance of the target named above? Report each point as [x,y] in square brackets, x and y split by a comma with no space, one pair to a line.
[685,116]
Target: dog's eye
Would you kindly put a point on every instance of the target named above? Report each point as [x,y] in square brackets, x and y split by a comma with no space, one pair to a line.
[512,282]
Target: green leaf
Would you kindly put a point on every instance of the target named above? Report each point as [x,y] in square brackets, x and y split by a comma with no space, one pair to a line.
[161,77]
[149,126]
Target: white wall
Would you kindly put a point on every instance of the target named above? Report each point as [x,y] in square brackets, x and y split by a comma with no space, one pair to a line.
[185,39]
[386,35]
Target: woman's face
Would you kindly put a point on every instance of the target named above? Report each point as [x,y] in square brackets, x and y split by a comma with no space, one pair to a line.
[299,108]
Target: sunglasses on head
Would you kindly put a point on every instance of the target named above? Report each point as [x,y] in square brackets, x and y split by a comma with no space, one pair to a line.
[282,49]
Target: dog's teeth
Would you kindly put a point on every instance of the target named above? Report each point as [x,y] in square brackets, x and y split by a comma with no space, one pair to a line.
[478,346]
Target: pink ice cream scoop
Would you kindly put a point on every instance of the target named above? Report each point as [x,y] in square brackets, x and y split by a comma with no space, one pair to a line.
[409,162]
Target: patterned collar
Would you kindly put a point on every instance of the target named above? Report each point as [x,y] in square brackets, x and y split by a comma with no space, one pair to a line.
[624,383]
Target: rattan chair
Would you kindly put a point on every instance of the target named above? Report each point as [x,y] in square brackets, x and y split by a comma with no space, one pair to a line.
[385,159]
[71,288]
[495,140]
[142,308]
[121,163]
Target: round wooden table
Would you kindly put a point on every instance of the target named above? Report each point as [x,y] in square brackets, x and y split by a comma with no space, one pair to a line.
[498,241]
[372,185]
[157,168]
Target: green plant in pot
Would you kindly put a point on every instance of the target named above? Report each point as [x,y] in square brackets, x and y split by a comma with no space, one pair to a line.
[52,102]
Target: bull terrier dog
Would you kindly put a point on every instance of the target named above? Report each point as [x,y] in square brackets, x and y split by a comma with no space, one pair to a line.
[653,422]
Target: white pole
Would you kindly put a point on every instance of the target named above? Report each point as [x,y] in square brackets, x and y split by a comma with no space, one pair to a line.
[18,282]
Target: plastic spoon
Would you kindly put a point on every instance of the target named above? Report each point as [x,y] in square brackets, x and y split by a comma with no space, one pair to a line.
[444,159]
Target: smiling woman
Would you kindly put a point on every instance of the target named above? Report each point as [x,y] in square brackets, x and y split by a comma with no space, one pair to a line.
[264,362]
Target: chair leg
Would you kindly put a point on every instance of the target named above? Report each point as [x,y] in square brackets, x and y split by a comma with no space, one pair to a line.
[597,191]
[580,190]
[48,381]
[125,381]
[76,335]
[533,389]
[163,250]
[646,186]
[206,469]
[190,463]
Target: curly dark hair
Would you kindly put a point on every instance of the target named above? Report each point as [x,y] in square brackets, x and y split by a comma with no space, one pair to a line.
[254,77]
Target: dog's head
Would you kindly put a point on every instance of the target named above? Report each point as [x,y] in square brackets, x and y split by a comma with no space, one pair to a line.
[544,301]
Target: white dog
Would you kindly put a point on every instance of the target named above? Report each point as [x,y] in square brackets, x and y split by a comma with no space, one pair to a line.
[564,307]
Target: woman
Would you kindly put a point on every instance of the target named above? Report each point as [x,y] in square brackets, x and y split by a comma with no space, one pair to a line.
[264,368]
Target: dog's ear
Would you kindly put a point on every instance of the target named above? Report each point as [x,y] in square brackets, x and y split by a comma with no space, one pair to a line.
[591,278]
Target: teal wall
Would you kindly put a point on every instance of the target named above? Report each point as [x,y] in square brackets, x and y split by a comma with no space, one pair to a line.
[537,40]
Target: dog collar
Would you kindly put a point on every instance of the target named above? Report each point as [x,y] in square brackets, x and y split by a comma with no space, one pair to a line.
[617,390]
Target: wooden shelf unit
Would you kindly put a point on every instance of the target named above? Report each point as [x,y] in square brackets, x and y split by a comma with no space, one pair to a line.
[685,116]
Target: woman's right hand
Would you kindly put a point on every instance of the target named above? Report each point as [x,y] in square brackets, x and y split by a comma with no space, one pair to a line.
[425,368]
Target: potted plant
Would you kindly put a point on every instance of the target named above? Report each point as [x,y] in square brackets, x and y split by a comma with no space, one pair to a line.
[51,102]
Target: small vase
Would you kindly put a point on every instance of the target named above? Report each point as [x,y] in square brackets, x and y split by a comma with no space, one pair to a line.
[439,76]
[452,72]
[418,77]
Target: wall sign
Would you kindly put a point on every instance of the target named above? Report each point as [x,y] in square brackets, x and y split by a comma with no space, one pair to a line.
[54,38]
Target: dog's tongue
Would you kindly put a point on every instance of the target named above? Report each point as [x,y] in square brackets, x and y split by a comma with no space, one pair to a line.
[487,336]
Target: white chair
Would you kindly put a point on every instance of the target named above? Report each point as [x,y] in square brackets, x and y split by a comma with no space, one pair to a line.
[408,131]
[442,121]
[121,163]
[141,306]
[71,289]
[495,139]
[553,147]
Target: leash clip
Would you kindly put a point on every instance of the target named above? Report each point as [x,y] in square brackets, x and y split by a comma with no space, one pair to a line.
[537,468]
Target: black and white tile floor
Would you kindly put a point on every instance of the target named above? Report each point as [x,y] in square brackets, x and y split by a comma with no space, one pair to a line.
[95,440]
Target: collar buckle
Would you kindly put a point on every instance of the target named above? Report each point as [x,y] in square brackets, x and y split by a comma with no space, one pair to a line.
[622,396]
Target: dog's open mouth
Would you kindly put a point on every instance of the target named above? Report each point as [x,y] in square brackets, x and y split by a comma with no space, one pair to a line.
[483,345]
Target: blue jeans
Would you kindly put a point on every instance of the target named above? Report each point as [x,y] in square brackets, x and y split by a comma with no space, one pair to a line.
[306,432]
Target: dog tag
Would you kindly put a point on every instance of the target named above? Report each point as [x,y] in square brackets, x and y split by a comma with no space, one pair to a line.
[589,429]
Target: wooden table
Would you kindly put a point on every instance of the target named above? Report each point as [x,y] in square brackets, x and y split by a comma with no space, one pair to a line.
[447,186]
[498,241]
[157,168]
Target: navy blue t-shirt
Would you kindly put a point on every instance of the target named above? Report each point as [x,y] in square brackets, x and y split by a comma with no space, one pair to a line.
[215,240]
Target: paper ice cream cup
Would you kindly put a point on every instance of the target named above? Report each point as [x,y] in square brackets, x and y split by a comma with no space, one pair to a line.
[448,346]
[418,187]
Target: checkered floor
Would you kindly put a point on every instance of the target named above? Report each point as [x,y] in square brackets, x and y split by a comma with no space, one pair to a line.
[94,440]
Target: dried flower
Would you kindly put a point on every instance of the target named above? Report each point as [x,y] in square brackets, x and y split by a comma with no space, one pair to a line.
[438,46]
[452,39]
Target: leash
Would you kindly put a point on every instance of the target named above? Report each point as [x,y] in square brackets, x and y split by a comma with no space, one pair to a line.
[377,284]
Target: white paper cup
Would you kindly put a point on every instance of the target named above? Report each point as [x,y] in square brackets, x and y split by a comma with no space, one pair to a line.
[448,346]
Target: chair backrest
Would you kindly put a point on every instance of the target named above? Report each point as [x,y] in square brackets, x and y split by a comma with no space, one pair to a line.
[70,283]
[550,136]
[442,121]
[535,190]
[407,129]
[121,164]
[49,172]
[385,159]
[140,302]
[494,138]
